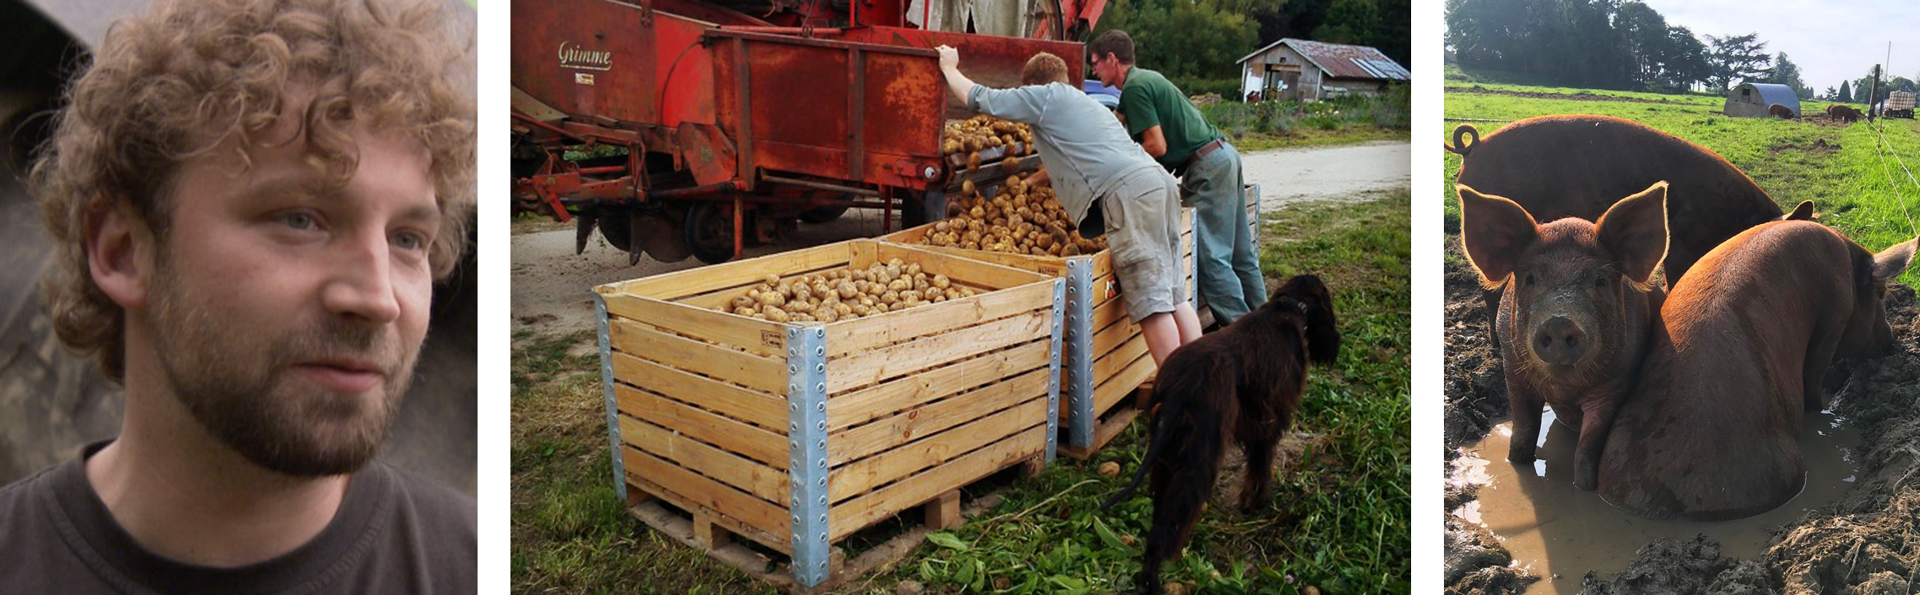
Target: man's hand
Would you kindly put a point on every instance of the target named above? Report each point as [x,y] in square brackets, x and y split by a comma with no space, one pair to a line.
[949,57]
[958,83]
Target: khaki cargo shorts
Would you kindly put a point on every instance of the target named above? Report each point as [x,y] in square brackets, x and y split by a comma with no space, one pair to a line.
[1143,230]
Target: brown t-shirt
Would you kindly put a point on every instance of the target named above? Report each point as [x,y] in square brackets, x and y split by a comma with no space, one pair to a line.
[394,533]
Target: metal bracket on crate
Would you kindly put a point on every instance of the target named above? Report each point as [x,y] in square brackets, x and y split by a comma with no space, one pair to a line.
[807,449]
[1193,278]
[1053,368]
[1079,345]
[1252,195]
[613,406]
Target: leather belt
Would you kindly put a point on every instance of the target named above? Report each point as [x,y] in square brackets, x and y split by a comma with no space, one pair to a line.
[1202,152]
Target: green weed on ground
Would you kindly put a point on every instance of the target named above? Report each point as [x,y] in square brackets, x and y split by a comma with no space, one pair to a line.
[1338,519]
[1839,168]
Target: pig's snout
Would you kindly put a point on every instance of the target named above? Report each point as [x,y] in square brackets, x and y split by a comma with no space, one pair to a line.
[1559,341]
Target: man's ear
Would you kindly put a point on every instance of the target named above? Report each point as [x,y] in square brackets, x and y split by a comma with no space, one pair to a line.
[120,253]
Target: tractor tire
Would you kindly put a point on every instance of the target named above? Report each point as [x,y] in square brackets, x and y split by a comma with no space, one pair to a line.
[709,232]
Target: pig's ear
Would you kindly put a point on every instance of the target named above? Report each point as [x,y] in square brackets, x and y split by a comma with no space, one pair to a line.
[1494,231]
[1891,262]
[1802,212]
[1635,231]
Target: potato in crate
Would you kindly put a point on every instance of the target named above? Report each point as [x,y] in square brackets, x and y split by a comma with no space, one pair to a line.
[1020,224]
[794,430]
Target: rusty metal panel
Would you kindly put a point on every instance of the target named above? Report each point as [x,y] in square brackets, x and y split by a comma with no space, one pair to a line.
[826,107]
[709,154]
[795,96]
[614,60]
[905,99]
[988,60]
[686,79]
[586,57]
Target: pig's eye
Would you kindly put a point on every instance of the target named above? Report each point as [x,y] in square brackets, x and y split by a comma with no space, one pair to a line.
[1600,282]
[1529,279]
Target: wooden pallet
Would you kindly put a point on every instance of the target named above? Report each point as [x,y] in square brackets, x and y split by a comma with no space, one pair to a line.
[794,437]
[708,531]
[1105,357]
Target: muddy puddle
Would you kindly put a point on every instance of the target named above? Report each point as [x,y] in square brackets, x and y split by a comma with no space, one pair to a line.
[1559,533]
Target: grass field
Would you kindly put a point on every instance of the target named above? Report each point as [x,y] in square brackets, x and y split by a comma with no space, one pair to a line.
[1341,121]
[1338,520]
[1792,160]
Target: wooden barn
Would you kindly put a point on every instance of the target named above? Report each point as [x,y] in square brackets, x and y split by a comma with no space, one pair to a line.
[1312,70]
[1750,100]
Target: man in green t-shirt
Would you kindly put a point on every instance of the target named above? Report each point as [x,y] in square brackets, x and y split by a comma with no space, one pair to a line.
[1159,116]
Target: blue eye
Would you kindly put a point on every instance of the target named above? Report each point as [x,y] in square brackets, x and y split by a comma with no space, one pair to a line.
[410,241]
[300,221]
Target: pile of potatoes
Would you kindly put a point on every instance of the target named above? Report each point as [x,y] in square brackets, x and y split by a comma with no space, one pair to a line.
[1023,218]
[846,293]
[971,136]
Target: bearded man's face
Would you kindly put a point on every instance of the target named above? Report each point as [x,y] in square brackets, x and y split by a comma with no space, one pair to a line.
[287,309]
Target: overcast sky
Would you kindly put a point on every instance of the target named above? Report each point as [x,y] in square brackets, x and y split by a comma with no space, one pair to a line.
[1829,44]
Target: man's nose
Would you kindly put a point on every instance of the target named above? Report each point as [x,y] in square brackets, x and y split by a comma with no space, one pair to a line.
[360,280]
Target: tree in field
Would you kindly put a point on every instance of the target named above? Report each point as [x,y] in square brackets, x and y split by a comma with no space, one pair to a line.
[1166,35]
[1687,62]
[1864,86]
[1845,95]
[1736,59]
[1644,33]
[1785,72]
[1609,44]
[1489,34]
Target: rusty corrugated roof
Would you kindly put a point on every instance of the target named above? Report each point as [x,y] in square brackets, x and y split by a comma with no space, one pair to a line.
[1342,60]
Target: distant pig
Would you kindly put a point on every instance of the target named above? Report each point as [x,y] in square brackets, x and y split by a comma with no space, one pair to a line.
[1574,312]
[1780,111]
[1844,113]
[1577,166]
[1710,432]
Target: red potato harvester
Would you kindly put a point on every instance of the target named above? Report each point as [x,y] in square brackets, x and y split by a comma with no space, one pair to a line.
[738,119]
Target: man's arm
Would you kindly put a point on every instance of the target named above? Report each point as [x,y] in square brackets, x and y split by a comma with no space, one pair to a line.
[1019,104]
[950,66]
[1153,141]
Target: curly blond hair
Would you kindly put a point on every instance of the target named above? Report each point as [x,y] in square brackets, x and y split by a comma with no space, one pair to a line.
[188,76]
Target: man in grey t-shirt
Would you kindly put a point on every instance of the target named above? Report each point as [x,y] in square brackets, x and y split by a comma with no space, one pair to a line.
[1088,157]
[252,200]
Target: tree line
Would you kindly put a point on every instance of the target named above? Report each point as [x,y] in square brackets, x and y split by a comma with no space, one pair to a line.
[1623,45]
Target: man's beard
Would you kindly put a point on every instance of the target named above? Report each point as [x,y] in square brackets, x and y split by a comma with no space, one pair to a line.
[240,385]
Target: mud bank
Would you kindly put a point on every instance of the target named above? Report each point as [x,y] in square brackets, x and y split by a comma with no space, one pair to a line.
[1868,542]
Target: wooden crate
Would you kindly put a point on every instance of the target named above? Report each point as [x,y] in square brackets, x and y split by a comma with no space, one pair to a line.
[1106,357]
[797,435]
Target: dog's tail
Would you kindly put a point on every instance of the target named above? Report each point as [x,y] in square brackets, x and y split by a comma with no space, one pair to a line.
[1172,408]
[1162,425]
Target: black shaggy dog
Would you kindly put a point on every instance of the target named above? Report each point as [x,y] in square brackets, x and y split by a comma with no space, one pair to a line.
[1241,383]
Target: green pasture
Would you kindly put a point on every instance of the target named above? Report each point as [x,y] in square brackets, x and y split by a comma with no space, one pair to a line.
[1337,522]
[1859,188]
